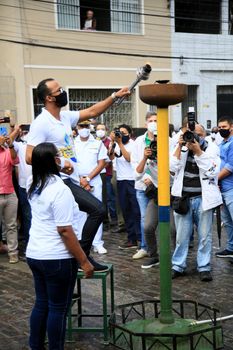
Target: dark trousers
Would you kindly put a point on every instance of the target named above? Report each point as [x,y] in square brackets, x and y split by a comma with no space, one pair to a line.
[54,282]
[111,199]
[26,215]
[95,210]
[130,208]
[104,196]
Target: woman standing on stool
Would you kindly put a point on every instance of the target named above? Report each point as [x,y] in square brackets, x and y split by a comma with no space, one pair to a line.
[53,249]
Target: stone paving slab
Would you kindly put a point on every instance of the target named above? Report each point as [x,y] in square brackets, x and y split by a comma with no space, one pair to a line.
[131,284]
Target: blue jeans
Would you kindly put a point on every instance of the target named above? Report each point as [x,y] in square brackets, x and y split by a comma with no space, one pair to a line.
[111,198]
[227,216]
[25,213]
[143,201]
[130,209]
[54,282]
[184,227]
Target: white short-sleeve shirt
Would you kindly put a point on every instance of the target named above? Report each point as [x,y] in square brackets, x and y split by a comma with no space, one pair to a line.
[25,170]
[55,206]
[46,128]
[124,170]
[88,154]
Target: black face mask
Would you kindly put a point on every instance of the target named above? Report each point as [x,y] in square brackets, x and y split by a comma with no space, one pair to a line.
[61,100]
[125,139]
[224,133]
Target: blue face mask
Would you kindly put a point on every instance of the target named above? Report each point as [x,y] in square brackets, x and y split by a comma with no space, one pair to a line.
[201,141]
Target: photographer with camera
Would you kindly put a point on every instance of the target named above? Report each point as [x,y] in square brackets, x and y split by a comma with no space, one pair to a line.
[195,194]
[145,152]
[120,150]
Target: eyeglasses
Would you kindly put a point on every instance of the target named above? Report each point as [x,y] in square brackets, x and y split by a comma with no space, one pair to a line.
[58,90]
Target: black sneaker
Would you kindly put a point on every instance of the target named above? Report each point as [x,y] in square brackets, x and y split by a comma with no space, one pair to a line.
[128,245]
[205,276]
[224,254]
[176,274]
[97,267]
[150,263]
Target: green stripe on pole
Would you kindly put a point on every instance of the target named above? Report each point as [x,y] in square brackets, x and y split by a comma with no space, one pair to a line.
[166,315]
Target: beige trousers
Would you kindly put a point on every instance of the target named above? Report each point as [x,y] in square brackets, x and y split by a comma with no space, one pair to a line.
[8,212]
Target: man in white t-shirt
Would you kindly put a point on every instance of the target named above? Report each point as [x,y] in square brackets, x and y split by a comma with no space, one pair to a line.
[55,126]
[121,151]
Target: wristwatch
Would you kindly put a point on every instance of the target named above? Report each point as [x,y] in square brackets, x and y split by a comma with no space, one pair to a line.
[114,97]
[87,178]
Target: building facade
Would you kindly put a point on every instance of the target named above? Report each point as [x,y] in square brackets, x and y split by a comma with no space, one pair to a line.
[202,50]
[43,39]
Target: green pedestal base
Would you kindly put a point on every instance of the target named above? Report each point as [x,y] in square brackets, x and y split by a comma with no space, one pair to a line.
[151,334]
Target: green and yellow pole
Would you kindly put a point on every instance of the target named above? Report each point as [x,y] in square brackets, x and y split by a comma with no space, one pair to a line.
[166,315]
[164,95]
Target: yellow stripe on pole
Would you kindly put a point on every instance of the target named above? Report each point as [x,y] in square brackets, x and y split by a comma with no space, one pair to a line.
[163,158]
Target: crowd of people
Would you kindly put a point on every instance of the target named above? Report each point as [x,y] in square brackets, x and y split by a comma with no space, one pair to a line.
[70,179]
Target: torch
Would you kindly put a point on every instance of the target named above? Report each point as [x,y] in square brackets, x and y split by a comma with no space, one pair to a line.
[142,74]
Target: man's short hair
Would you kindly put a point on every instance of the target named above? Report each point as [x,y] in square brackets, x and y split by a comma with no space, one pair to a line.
[43,90]
[127,127]
[149,114]
[226,119]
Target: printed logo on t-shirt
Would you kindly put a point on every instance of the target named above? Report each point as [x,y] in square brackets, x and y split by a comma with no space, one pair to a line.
[68,151]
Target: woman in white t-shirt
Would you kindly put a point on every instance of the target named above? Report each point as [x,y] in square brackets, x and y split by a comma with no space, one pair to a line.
[53,248]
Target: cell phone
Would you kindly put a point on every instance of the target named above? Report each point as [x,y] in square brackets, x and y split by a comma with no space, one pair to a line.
[4,120]
[25,127]
[3,131]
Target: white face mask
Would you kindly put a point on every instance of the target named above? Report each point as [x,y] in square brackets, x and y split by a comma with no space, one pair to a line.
[152,127]
[84,132]
[24,138]
[213,135]
[100,133]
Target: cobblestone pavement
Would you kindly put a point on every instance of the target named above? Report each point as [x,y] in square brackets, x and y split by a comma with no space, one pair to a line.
[131,284]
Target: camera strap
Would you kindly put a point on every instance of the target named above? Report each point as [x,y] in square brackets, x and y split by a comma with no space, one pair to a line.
[118,155]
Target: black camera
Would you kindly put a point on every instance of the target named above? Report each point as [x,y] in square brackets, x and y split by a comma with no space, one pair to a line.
[117,132]
[153,147]
[25,127]
[190,135]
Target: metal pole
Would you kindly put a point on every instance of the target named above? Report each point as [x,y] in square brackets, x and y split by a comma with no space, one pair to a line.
[166,315]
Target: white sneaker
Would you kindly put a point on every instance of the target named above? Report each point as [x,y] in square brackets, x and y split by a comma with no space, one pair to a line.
[100,250]
[141,253]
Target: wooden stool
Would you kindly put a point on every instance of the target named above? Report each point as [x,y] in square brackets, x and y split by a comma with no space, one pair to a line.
[77,299]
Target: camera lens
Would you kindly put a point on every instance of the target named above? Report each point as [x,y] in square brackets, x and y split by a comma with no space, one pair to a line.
[117,132]
[188,136]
